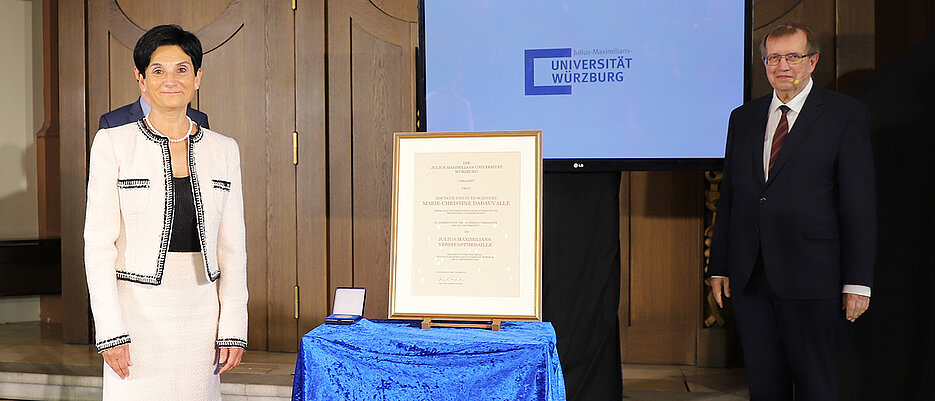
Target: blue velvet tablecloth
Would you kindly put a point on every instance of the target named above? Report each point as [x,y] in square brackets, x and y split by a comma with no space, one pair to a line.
[396,360]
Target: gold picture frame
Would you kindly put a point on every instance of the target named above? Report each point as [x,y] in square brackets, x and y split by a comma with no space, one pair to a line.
[466,239]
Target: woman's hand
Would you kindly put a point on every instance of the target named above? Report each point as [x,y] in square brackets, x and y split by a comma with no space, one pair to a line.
[230,358]
[118,358]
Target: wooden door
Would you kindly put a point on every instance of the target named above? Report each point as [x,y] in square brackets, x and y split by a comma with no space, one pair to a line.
[311,169]
[660,261]
[371,95]
[248,94]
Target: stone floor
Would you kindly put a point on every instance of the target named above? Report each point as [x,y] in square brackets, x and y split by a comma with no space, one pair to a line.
[677,383]
[36,365]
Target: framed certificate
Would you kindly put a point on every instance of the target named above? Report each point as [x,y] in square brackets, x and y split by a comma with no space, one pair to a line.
[467,226]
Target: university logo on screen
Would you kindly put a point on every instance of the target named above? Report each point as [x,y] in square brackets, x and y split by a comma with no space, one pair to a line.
[570,68]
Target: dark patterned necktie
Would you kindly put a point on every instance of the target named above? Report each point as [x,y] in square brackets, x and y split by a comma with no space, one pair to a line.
[782,131]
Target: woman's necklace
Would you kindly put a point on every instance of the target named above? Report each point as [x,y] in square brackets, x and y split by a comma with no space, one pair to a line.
[191,125]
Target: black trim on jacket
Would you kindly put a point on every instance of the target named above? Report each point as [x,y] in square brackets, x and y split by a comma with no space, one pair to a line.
[169,211]
[231,343]
[109,343]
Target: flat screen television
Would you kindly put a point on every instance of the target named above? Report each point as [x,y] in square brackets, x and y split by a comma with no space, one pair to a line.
[612,84]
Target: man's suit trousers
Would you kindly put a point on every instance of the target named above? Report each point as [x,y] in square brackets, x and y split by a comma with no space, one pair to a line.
[787,343]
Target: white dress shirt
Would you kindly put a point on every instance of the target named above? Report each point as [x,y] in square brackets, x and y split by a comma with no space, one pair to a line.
[145,106]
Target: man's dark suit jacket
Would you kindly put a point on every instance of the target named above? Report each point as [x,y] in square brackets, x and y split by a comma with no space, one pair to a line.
[815,219]
[133,112]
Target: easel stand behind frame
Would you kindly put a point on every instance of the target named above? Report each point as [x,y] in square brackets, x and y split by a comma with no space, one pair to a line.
[494,324]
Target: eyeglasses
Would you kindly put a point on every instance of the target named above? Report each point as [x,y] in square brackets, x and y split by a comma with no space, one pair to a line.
[790,58]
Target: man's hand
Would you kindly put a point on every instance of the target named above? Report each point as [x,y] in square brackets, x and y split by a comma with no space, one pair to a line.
[855,305]
[719,285]
[118,358]
[230,358]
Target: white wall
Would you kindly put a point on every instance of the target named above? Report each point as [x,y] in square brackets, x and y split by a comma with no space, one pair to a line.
[18,118]
[21,117]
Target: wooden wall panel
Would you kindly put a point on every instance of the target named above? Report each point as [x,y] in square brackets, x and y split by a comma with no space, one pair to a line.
[402,10]
[311,178]
[376,67]
[819,15]
[98,84]
[124,88]
[664,267]
[47,139]
[340,201]
[371,77]
[73,140]
[191,15]
[623,308]
[48,165]
[281,187]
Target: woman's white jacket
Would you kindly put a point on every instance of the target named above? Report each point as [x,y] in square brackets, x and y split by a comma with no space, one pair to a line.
[129,223]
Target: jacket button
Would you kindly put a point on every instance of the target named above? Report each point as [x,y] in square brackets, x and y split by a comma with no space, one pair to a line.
[763,200]
[756,231]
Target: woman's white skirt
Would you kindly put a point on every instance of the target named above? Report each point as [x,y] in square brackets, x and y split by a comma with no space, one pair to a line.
[173,328]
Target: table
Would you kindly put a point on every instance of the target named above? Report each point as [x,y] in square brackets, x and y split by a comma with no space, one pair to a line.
[397,360]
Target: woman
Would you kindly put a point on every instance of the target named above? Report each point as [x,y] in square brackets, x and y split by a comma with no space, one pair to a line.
[164,238]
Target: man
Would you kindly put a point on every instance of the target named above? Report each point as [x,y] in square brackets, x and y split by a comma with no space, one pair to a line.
[140,108]
[795,236]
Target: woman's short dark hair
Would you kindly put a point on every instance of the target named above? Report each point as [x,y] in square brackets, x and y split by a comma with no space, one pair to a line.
[166,35]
